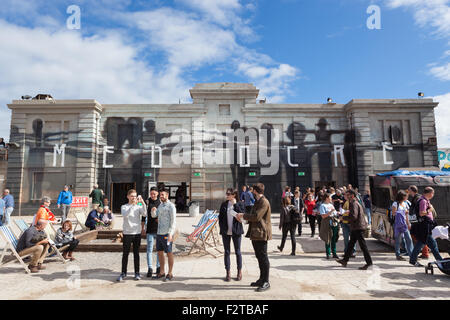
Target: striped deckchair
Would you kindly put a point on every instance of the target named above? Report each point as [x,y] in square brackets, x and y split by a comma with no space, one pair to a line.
[211,222]
[204,218]
[204,233]
[200,225]
[11,244]
[22,225]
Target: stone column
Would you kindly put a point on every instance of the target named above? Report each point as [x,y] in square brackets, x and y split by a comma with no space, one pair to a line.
[16,158]
[197,167]
[88,147]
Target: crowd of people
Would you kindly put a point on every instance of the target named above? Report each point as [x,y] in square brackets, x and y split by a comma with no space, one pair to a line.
[330,209]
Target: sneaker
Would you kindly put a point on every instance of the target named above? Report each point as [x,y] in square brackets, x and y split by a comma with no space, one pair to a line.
[149,273]
[417,264]
[265,286]
[137,276]
[121,277]
[400,258]
[257,283]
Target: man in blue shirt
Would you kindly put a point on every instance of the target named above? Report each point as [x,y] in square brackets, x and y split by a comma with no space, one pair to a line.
[249,200]
[9,205]
[65,199]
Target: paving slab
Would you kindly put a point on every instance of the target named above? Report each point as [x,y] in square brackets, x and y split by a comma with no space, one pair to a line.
[308,275]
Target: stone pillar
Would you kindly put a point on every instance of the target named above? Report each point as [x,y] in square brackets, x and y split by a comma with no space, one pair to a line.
[88,148]
[428,124]
[361,124]
[197,168]
[16,159]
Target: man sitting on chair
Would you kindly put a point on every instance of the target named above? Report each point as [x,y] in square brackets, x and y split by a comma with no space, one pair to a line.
[34,241]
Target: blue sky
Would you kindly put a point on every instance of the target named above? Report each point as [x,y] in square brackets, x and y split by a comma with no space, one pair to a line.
[295,51]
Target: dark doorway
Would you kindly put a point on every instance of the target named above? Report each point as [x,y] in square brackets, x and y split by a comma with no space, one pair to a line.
[178,194]
[119,194]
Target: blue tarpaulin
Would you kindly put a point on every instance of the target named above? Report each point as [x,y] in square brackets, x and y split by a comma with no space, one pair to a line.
[414,173]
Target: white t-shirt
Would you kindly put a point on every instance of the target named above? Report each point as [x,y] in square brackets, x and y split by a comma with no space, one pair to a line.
[132,218]
[230,219]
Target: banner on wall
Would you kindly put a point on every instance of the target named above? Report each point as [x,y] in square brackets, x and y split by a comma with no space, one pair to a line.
[444,159]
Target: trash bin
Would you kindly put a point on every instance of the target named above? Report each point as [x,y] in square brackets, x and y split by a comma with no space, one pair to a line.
[194,209]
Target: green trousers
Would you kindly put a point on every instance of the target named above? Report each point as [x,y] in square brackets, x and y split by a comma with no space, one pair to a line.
[331,247]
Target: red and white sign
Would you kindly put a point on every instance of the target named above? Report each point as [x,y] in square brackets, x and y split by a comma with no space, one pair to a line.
[80,202]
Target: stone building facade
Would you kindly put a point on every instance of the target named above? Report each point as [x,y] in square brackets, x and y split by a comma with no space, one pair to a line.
[120,146]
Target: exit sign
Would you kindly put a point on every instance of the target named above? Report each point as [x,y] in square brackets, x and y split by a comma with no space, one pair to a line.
[197,174]
[301,174]
[252,174]
[147,174]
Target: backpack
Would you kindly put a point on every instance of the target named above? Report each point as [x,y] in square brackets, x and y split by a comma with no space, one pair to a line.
[296,217]
[414,211]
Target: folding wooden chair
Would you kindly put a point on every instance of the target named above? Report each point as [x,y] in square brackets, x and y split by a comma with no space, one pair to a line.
[200,226]
[208,237]
[81,220]
[11,244]
[22,225]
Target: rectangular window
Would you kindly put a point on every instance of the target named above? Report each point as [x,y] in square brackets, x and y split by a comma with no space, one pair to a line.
[224,109]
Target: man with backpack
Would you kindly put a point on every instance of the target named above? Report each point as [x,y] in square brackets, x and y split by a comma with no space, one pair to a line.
[414,197]
[424,228]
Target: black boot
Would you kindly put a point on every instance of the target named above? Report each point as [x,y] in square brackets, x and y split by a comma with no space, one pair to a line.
[149,273]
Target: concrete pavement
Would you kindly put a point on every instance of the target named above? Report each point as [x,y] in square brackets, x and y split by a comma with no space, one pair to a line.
[308,275]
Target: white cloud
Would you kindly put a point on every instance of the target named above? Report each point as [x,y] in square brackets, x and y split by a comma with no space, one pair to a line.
[38,55]
[191,41]
[224,13]
[434,14]
[441,72]
[67,65]
[442,114]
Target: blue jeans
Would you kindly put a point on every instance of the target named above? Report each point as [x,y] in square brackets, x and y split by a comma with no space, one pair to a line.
[346,234]
[431,243]
[408,245]
[8,212]
[151,238]
[227,250]
[369,215]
